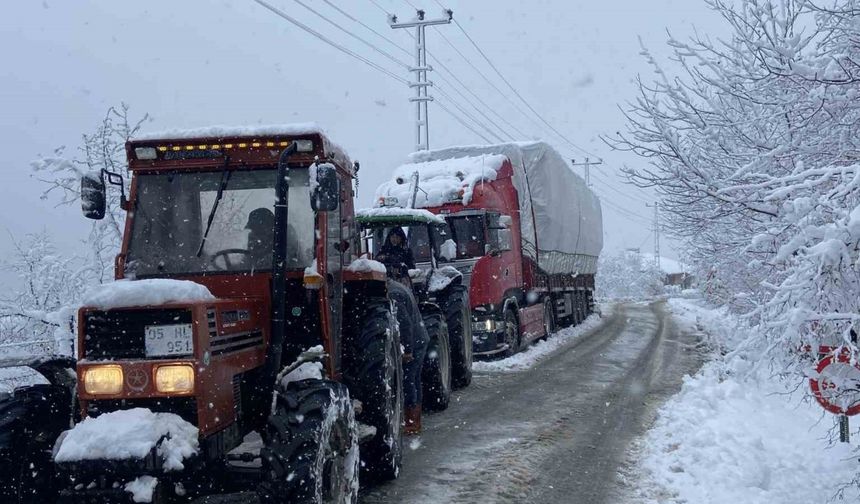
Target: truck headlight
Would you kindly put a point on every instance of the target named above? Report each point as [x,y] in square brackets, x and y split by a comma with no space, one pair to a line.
[103,380]
[488,325]
[174,379]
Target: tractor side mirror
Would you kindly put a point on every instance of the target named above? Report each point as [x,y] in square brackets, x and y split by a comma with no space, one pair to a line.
[93,196]
[326,195]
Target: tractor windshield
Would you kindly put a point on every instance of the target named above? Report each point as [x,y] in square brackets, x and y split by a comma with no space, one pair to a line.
[170,218]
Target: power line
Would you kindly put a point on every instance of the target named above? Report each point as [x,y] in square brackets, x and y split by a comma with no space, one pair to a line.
[471,92]
[512,88]
[442,77]
[357,56]
[487,79]
[383,9]
[330,42]
[368,27]
[443,107]
[470,116]
[353,35]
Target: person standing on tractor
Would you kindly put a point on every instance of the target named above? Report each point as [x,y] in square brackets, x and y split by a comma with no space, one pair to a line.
[414,339]
[396,254]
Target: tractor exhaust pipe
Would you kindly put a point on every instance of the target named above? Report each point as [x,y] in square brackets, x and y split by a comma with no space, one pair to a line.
[279,274]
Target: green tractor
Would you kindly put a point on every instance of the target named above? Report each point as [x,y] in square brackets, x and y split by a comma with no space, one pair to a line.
[443,298]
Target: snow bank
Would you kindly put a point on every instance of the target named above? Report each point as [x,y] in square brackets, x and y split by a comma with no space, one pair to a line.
[382,212]
[142,488]
[234,131]
[540,350]
[149,292]
[365,265]
[441,181]
[130,434]
[737,434]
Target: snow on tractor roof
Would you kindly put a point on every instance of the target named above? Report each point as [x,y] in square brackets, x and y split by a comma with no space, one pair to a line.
[440,181]
[397,215]
[252,131]
[148,292]
[219,131]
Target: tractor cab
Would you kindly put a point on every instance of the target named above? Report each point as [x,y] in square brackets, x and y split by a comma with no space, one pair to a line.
[427,239]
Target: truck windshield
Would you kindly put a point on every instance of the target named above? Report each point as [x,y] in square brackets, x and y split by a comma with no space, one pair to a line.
[171,210]
[468,233]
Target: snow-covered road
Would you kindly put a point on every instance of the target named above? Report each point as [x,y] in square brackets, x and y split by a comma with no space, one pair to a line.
[558,431]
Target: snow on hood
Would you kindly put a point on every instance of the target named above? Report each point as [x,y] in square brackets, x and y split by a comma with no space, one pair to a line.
[398,212]
[149,292]
[130,434]
[235,131]
[442,180]
[365,265]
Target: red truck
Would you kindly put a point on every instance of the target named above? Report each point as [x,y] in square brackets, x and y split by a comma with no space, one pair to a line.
[524,230]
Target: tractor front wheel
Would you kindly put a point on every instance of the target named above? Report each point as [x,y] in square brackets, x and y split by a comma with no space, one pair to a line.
[310,452]
[376,378]
[31,420]
[436,371]
[458,316]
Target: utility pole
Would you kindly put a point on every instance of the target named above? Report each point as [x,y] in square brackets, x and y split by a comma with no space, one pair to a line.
[420,84]
[587,164]
[656,207]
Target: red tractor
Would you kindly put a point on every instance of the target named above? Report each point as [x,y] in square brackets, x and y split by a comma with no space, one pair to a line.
[263,219]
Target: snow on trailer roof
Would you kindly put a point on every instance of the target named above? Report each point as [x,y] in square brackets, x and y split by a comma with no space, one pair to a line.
[397,215]
[441,180]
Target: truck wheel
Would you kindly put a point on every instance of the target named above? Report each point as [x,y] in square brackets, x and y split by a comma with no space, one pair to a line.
[376,379]
[310,454]
[458,316]
[31,420]
[512,334]
[548,317]
[436,372]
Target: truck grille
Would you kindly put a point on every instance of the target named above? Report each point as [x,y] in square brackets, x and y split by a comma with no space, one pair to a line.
[119,334]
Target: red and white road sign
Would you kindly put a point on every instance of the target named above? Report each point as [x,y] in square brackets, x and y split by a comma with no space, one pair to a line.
[837,387]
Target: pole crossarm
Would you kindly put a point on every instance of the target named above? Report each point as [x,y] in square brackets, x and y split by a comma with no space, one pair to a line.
[421,83]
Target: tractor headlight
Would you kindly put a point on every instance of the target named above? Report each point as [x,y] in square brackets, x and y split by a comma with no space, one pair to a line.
[488,325]
[103,380]
[174,379]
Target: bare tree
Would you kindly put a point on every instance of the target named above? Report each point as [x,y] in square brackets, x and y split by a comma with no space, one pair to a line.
[53,283]
[753,150]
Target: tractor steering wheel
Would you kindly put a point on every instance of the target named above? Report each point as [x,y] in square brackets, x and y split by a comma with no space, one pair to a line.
[228,264]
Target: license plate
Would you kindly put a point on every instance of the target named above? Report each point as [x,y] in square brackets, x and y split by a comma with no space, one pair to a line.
[168,340]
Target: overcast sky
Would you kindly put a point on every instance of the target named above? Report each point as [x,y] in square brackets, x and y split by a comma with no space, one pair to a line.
[196,63]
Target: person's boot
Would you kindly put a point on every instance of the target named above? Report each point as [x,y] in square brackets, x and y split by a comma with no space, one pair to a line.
[413,420]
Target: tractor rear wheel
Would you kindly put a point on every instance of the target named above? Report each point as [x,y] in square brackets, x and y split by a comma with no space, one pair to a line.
[458,316]
[31,420]
[375,376]
[436,372]
[310,452]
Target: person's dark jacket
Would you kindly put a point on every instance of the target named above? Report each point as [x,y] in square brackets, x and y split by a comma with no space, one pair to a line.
[397,257]
[413,335]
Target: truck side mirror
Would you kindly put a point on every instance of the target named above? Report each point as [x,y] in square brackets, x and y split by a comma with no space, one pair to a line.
[326,194]
[93,195]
